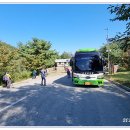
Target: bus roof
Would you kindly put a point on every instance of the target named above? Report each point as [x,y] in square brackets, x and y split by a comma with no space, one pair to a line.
[87,50]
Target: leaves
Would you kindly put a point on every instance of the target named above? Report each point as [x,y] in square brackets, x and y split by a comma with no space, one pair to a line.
[122,13]
[115,52]
[38,54]
[66,55]
[32,55]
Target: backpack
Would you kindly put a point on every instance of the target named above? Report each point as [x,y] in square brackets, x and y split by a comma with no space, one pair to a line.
[5,78]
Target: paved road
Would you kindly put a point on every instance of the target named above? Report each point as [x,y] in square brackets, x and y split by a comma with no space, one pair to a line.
[62,104]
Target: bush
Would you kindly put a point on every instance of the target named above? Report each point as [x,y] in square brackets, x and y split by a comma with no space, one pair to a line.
[122,69]
[20,75]
[17,76]
[0,79]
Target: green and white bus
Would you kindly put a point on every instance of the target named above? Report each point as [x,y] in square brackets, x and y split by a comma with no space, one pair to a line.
[87,67]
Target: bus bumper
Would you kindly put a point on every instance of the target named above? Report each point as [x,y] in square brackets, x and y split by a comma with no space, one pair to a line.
[99,82]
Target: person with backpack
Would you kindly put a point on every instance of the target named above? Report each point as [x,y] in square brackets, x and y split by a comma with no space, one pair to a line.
[7,80]
[43,77]
[34,74]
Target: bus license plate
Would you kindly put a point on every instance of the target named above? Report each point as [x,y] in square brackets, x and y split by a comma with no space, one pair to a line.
[87,83]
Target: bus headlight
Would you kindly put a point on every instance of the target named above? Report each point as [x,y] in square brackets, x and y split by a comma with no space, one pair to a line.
[100,76]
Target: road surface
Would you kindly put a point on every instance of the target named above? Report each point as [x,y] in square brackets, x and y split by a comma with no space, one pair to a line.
[62,104]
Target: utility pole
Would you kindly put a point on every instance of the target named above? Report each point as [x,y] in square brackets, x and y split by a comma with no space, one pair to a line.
[108,50]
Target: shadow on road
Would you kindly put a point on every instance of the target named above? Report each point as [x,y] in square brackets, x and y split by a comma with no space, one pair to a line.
[61,104]
[68,83]
[64,81]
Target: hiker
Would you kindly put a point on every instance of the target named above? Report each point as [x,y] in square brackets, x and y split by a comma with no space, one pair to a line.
[68,72]
[43,77]
[34,74]
[7,80]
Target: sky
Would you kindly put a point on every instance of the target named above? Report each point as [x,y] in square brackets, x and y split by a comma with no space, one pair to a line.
[68,27]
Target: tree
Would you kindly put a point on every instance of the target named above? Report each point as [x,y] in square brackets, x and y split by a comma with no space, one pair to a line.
[37,54]
[122,13]
[7,55]
[66,55]
[115,54]
[20,61]
[10,61]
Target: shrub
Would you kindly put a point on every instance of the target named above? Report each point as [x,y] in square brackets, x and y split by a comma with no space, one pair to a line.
[20,75]
[122,69]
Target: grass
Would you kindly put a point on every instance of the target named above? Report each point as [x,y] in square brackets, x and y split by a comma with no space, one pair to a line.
[120,77]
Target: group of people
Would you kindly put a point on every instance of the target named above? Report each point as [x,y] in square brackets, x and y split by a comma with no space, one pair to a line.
[43,73]
[7,81]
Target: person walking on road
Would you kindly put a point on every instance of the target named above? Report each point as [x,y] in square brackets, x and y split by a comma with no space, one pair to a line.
[7,80]
[34,74]
[43,77]
[68,72]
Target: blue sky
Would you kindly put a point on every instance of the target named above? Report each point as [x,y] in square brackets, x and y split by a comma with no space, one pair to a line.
[67,26]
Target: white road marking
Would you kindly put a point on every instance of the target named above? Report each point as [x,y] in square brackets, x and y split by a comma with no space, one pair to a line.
[12,104]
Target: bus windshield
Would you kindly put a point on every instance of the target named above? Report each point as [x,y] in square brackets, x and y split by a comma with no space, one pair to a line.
[88,62]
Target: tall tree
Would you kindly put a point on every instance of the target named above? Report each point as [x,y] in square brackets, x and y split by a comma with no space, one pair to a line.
[38,54]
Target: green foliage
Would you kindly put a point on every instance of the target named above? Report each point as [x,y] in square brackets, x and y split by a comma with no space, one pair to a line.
[66,55]
[121,77]
[7,55]
[17,76]
[115,54]
[120,50]
[19,62]
[122,13]
[122,69]
[124,44]
[37,54]
[126,59]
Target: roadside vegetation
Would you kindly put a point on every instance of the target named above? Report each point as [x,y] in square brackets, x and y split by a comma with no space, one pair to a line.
[120,77]
[38,53]
[119,46]
[21,61]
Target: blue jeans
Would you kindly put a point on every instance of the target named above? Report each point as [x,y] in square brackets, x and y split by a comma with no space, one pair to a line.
[43,78]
